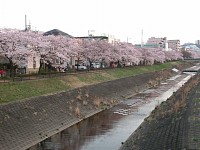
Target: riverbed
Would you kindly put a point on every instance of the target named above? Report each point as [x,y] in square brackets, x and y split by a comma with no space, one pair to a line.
[109,129]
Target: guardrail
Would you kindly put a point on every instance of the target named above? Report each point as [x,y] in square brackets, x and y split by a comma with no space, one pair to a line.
[7,77]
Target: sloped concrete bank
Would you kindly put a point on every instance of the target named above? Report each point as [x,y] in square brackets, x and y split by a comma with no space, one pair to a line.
[27,122]
[172,125]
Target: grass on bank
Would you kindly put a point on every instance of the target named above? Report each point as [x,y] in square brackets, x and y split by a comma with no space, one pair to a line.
[19,90]
[127,72]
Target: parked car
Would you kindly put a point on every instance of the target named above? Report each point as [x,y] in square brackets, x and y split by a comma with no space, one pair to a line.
[80,67]
[96,65]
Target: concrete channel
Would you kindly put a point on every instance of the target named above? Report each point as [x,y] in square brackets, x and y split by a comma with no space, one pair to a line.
[110,128]
[25,123]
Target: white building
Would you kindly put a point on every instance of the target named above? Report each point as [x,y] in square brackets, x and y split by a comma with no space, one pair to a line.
[32,64]
[174,44]
[161,42]
[111,38]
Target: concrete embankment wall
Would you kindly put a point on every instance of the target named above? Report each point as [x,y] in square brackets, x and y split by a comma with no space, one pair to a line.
[27,122]
[171,124]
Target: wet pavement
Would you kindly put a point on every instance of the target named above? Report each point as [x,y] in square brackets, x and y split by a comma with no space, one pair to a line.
[109,129]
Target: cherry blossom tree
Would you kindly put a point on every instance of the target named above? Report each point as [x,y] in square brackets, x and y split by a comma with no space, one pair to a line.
[129,53]
[159,55]
[173,55]
[49,48]
[147,56]
[58,48]
[17,45]
[98,50]
[192,53]
[186,54]
[13,47]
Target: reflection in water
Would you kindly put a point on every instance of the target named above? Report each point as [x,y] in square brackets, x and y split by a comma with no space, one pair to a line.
[86,130]
[106,130]
[81,133]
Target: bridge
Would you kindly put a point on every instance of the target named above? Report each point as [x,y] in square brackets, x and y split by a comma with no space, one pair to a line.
[192,59]
[194,69]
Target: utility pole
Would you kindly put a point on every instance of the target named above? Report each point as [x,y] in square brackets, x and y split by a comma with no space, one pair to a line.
[25,24]
[142,42]
[27,27]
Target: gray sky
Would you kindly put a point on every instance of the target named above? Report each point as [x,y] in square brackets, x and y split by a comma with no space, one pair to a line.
[175,19]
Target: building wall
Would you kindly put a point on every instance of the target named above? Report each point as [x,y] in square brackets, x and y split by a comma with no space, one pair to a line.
[161,42]
[197,42]
[33,64]
[111,38]
[174,44]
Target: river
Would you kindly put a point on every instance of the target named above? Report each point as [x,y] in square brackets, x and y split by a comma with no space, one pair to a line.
[108,129]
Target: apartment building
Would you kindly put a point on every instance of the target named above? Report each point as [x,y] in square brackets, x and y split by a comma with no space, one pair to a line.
[106,37]
[174,44]
[161,42]
[197,42]
[111,38]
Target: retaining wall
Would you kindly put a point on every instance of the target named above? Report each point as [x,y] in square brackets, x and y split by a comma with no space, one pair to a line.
[27,122]
[172,125]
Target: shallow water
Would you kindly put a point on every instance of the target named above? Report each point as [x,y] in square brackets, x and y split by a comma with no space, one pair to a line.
[108,129]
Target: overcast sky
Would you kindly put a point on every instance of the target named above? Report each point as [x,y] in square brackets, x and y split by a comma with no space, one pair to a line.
[175,19]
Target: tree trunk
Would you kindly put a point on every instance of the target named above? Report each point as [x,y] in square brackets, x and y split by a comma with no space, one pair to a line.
[11,69]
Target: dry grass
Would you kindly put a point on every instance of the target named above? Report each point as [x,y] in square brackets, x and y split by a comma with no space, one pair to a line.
[77,111]
[79,97]
[114,101]
[70,108]
[152,83]
[85,102]
[97,102]
[72,81]
[177,106]
[186,90]
[86,95]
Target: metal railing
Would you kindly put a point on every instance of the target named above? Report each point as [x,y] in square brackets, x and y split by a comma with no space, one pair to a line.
[8,77]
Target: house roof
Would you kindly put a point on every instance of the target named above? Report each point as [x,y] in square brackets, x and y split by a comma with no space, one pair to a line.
[93,37]
[57,32]
[3,60]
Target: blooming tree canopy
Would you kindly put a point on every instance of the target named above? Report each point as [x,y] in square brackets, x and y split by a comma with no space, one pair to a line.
[13,46]
[17,45]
